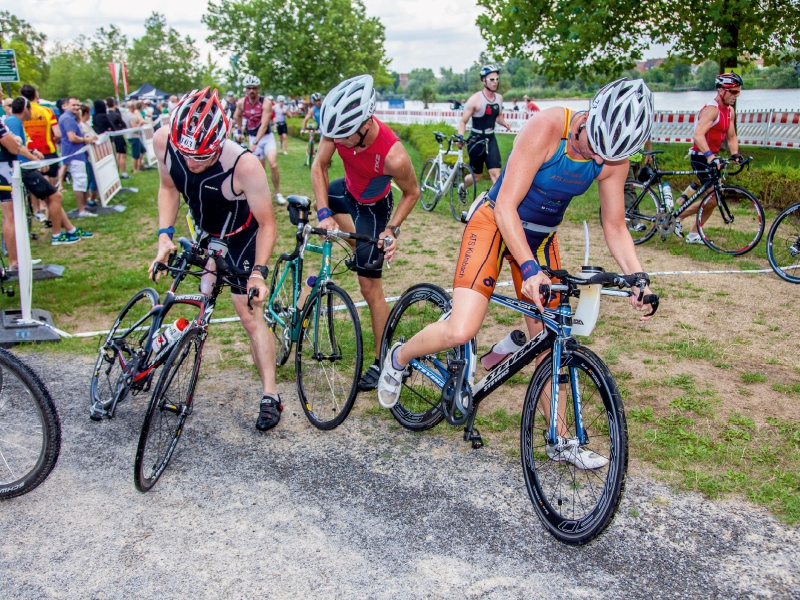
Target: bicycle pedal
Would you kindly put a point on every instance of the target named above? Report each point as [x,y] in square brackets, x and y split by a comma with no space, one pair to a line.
[475,438]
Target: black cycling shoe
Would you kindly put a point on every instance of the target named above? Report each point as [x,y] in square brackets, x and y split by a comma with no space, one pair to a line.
[350,263]
[270,414]
[369,378]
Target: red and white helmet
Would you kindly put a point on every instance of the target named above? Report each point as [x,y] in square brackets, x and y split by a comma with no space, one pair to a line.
[728,80]
[198,125]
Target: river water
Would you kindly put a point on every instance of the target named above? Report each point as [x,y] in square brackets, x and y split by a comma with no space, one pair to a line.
[671,101]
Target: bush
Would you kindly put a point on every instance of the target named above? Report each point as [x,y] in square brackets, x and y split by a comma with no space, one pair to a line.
[421,137]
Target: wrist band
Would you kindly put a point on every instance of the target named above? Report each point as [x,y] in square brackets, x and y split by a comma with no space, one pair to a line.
[258,274]
[529,268]
[708,153]
[170,231]
[324,213]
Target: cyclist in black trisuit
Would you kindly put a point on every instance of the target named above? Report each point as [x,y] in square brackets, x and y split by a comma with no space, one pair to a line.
[222,183]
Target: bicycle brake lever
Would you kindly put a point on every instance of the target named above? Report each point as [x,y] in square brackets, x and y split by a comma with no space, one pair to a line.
[250,295]
[651,299]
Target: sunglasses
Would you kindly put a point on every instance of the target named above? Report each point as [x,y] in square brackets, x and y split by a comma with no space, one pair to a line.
[199,159]
[492,79]
[732,93]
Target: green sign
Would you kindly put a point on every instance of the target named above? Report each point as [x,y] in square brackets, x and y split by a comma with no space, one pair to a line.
[9,73]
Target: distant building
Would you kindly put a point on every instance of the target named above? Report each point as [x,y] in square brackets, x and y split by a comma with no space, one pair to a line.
[403,80]
[645,65]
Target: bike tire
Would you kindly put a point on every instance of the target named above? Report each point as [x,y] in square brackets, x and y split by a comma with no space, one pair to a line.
[462,200]
[783,244]
[30,430]
[641,216]
[170,405]
[575,505]
[429,192]
[310,152]
[328,374]
[419,406]
[282,304]
[734,236]
[110,380]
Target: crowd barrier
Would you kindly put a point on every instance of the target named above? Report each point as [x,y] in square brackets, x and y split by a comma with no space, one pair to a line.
[770,128]
[104,165]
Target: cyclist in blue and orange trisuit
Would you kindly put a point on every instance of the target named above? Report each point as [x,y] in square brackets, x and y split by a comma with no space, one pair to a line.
[362,201]
[223,184]
[557,156]
[714,125]
[313,112]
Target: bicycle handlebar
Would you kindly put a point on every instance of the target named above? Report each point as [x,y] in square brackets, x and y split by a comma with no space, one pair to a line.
[634,280]
[301,240]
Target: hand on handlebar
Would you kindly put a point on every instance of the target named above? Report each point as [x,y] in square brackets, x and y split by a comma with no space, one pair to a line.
[637,301]
[530,288]
[328,223]
[256,290]
[165,247]
[389,250]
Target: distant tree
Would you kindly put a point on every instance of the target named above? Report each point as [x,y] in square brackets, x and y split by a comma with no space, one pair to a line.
[417,79]
[783,77]
[451,83]
[706,74]
[164,59]
[427,94]
[28,45]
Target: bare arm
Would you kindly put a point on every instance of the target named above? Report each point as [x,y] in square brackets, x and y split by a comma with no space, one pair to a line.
[320,179]
[237,114]
[309,114]
[469,108]
[169,199]
[733,139]
[500,119]
[266,117]
[398,165]
[9,142]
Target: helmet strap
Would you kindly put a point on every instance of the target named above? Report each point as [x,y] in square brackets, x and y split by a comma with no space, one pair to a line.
[361,136]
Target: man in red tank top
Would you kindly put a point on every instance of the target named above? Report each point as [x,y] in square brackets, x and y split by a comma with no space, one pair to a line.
[362,201]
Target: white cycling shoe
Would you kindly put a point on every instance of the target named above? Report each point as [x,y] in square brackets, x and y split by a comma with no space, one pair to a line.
[390,381]
[572,453]
[280,199]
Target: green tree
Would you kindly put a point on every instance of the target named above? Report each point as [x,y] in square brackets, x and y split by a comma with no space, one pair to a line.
[163,59]
[452,83]
[706,75]
[300,46]
[28,45]
[418,79]
[427,94]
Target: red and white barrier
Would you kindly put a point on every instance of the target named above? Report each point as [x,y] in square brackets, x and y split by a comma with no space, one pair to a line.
[147,142]
[104,164]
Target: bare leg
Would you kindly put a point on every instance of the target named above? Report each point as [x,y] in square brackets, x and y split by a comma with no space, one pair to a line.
[9,234]
[80,200]
[272,157]
[372,290]
[472,179]
[57,215]
[262,343]
[494,174]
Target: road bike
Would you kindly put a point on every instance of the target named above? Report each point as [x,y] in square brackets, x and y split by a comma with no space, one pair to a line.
[30,430]
[325,326]
[310,149]
[783,244]
[572,404]
[437,178]
[729,219]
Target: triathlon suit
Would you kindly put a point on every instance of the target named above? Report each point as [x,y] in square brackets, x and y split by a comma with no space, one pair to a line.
[714,138]
[39,129]
[555,184]
[482,144]
[365,193]
[252,114]
[315,125]
[212,200]
[280,118]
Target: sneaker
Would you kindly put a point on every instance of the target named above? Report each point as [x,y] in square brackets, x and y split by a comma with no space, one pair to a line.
[124,176]
[369,378]
[390,381]
[64,238]
[270,413]
[638,226]
[40,216]
[281,200]
[85,213]
[82,233]
[693,238]
[285,153]
[678,229]
[36,261]
[586,460]
[91,204]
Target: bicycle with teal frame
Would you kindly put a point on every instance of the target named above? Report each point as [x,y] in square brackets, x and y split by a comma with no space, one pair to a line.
[325,328]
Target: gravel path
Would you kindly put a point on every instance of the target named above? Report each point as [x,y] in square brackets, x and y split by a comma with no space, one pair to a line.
[368,510]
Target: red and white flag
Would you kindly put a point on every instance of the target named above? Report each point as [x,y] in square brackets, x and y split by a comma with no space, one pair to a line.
[125,77]
[114,68]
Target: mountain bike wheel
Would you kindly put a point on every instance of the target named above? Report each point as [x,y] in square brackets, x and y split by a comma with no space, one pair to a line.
[119,354]
[735,225]
[429,191]
[419,407]
[641,211]
[328,357]
[461,196]
[783,244]
[171,403]
[282,304]
[575,504]
[30,431]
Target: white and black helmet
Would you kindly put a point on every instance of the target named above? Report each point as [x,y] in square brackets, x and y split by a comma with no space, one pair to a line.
[620,119]
[281,98]
[251,81]
[347,106]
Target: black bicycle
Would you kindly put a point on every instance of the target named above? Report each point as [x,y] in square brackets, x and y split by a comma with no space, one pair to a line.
[783,244]
[729,219]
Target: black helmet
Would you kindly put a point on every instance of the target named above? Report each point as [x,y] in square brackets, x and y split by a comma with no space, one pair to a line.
[489,69]
[728,80]
[645,173]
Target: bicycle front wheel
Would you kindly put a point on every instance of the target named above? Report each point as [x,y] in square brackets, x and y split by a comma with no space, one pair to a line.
[730,220]
[171,403]
[575,487]
[328,357]
[120,353]
[783,244]
[30,431]
[641,211]
[280,308]
[429,191]
[419,406]
[461,196]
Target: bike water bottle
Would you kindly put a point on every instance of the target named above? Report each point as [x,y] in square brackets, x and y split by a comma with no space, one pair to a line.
[503,349]
[209,278]
[667,193]
[170,334]
[585,317]
[301,302]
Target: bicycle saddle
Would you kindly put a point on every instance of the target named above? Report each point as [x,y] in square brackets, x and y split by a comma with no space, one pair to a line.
[651,152]
[298,201]
[439,136]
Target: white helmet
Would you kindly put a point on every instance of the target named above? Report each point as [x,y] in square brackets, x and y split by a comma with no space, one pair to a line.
[281,98]
[620,119]
[251,81]
[347,106]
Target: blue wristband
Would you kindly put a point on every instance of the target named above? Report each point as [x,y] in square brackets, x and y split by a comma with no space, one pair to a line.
[529,268]
[170,231]
[324,213]
[708,153]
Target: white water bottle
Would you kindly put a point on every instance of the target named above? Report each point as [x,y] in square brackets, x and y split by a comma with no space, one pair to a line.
[585,317]
[209,278]
[666,190]
[503,349]
[170,334]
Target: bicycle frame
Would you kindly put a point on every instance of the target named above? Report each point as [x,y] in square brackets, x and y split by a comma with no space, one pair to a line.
[446,182]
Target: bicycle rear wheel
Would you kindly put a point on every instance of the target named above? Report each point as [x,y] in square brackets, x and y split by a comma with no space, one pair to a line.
[30,431]
[419,407]
[282,304]
[575,503]
[641,211]
[731,222]
[783,244]
[328,357]
[171,403]
[461,196]
[310,151]
[119,354]
[429,191]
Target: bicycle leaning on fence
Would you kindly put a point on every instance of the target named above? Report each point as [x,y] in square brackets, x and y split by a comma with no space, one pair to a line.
[729,219]
[572,405]
[324,326]
[783,244]
[437,178]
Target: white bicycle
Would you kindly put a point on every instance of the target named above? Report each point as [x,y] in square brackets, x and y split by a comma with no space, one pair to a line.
[437,178]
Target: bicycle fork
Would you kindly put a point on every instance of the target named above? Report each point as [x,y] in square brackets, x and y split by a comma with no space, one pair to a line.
[557,380]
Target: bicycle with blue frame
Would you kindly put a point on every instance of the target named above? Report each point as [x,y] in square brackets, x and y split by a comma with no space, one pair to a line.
[572,404]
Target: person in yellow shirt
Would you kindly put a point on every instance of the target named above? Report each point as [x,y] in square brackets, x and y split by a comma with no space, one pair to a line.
[43,135]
